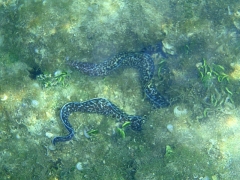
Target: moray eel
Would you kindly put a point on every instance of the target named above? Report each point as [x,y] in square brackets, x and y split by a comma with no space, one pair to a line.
[140,61]
[96,105]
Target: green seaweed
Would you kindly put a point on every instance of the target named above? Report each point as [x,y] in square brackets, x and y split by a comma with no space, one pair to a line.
[214,75]
[121,132]
[210,72]
[169,151]
[49,80]
[92,132]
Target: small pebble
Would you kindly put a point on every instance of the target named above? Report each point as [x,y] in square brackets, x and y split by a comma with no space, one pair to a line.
[178,111]
[79,166]
[4,97]
[18,136]
[170,128]
[35,103]
[52,147]
[49,135]
[86,134]
[57,73]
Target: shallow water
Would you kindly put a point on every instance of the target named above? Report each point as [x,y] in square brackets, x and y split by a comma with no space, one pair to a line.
[197,68]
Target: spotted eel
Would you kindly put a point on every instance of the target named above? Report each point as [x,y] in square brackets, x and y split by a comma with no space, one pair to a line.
[140,61]
[96,105]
